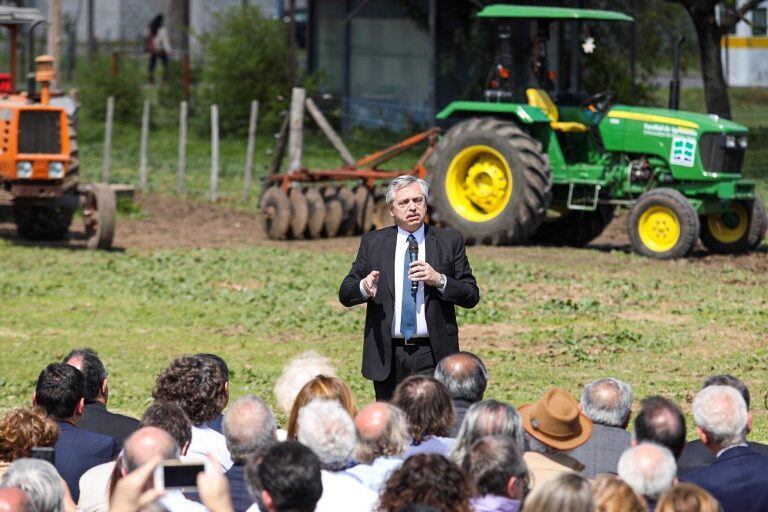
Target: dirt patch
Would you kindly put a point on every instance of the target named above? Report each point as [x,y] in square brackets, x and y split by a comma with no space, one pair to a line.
[172,222]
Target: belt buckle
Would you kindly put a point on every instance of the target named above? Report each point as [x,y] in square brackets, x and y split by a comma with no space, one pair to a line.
[409,343]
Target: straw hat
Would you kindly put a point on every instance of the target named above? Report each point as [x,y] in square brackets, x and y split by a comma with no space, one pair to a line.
[556,420]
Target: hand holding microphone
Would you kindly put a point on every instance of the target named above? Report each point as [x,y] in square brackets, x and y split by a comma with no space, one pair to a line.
[420,270]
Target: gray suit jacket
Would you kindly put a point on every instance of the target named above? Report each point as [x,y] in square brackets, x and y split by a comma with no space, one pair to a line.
[600,454]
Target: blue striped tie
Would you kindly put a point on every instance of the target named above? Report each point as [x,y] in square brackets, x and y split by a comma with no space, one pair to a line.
[408,311]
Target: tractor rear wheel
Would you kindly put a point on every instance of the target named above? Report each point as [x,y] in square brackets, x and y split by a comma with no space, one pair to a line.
[663,224]
[739,230]
[574,228]
[490,181]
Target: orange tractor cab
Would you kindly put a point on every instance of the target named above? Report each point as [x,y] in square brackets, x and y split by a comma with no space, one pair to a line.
[39,171]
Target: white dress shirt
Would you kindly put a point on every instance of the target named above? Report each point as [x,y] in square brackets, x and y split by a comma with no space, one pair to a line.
[400,251]
[205,440]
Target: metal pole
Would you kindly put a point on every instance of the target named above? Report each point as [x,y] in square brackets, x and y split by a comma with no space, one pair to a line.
[249,151]
[575,56]
[143,146]
[214,153]
[180,187]
[108,140]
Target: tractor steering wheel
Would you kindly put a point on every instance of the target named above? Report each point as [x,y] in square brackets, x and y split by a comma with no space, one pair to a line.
[597,103]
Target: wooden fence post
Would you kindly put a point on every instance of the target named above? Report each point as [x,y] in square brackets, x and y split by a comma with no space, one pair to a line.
[105,169]
[180,186]
[296,125]
[143,145]
[249,151]
[214,153]
[329,132]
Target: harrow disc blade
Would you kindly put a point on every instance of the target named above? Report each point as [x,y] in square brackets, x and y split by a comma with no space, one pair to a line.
[299,212]
[316,209]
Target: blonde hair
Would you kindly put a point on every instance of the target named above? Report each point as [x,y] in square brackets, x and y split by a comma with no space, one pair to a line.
[322,386]
[567,492]
[686,497]
[614,495]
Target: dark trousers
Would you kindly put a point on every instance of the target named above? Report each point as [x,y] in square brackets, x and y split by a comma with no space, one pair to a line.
[407,360]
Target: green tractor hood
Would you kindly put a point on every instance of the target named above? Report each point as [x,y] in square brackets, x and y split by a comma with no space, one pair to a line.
[700,123]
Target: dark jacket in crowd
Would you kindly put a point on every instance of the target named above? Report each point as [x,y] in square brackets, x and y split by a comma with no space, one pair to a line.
[241,498]
[98,419]
[696,456]
[78,450]
[738,479]
[601,452]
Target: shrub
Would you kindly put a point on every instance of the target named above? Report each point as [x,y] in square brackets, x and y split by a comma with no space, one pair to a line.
[96,83]
[246,58]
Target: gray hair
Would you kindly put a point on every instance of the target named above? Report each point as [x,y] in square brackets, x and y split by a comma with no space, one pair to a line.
[720,411]
[464,375]
[391,442]
[296,374]
[492,460]
[249,428]
[402,182]
[487,418]
[648,468]
[607,402]
[326,428]
[39,479]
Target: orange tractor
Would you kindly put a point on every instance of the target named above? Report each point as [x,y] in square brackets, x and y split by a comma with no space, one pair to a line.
[39,171]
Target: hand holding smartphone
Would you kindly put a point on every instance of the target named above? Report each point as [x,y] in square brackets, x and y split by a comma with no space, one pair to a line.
[174,474]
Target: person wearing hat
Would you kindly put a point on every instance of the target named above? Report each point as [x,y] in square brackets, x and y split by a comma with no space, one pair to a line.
[554,425]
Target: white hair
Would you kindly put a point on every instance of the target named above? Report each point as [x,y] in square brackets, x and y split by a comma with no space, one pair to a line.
[326,428]
[648,468]
[402,182]
[249,427]
[720,411]
[39,479]
[611,410]
[296,374]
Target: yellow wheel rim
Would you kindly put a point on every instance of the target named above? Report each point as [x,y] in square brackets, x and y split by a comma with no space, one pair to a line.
[659,228]
[729,227]
[479,183]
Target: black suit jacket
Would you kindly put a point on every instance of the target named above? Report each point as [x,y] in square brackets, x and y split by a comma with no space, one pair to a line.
[696,456]
[738,479]
[444,251]
[97,418]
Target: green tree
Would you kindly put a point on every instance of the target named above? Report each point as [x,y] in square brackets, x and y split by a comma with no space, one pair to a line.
[246,58]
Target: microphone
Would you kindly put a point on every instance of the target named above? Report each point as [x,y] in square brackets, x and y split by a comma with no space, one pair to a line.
[413,255]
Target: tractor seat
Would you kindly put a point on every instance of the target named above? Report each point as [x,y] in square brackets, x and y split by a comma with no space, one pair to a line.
[540,99]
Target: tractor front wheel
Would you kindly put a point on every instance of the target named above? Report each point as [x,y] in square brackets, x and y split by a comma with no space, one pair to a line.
[663,224]
[490,181]
[99,214]
[740,229]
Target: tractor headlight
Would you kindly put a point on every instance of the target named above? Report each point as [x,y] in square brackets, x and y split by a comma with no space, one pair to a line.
[56,170]
[743,142]
[730,141]
[24,169]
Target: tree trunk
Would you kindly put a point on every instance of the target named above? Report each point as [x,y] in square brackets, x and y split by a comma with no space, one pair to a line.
[710,57]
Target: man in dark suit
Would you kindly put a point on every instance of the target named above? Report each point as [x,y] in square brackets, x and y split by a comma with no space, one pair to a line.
[466,378]
[738,478]
[59,390]
[411,276]
[96,417]
[608,403]
[696,455]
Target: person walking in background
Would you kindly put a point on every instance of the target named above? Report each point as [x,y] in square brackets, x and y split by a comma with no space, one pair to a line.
[158,46]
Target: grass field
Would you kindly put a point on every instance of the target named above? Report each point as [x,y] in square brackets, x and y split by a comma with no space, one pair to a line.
[547,317]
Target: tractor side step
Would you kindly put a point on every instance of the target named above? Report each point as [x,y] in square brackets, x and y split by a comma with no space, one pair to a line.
[586,196]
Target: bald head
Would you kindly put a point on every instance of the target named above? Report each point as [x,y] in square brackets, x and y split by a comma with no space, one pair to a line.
[382,431]
[146,443]
[648,468]
[465,376]
[13,499]
[607,402]
[249,428]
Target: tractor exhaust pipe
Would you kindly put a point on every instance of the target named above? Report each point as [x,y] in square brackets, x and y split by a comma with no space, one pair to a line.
[674,84]
[31,60]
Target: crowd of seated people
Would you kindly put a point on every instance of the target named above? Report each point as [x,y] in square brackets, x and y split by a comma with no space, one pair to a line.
[439,445]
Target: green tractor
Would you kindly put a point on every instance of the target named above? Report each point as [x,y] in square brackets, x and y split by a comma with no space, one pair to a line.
[511,171]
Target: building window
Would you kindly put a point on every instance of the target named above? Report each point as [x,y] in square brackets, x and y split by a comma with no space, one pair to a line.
[759,25]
